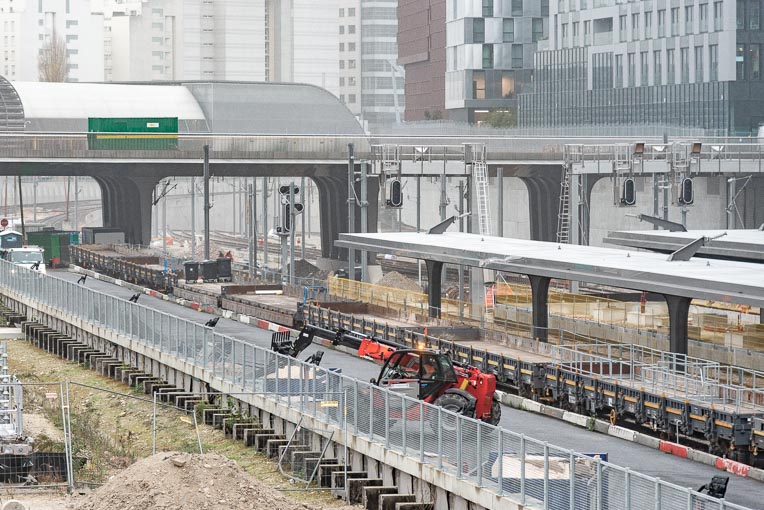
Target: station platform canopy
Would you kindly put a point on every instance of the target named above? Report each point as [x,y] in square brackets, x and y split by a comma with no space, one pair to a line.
[697,278]
[745,245]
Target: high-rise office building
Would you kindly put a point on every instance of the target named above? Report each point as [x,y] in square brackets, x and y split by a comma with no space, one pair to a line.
[350,51]
[487,50]
[608,62]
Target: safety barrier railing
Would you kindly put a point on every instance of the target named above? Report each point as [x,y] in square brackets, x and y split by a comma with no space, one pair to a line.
[676,375]
[512,465]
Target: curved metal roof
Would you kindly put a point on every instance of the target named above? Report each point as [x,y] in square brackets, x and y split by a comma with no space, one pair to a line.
[11,108]
[209,106]
[44,100]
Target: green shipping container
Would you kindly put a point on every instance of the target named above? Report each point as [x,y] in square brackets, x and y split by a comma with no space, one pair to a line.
[160,133]
[54,244]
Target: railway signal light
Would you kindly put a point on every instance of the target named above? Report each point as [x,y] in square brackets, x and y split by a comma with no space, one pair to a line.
[629,192]
[396,193]
[284,190]
[686,191]
[286,217]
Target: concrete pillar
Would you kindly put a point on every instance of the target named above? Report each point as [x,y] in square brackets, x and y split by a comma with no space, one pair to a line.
[679,310]
[540,295]
[761,314]
[544,205]
[127,205]
[332,191]
[434,278]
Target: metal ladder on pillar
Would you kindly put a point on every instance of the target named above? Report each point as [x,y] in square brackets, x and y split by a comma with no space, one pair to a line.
[563,214]
[480,176]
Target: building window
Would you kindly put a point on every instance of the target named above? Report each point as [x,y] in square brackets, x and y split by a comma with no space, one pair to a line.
[657,68]
[342,64]
[754,15]
[351,29]
[509,30]
[351,98]
[635,27]
[703,18]
[698,64]
[754,58]
[487,8]
[517,56]
[351,12]
[507,85]
[622,27]
[741,14]
[478,30]
[537,29]
[478,85]
[342,46]
[342,81]
[351,46]
[644,64]
[564,30]
[544,8]
[351,64]
[342,13]
[618,71]
[670,67]
[488,56]
[713,62]
[688,28]
[517,8]
[675,21]
[740,62]
[587,33]
[684,62]
[632,57]
[576,30]
[662,23]
[718,16]
[648,24]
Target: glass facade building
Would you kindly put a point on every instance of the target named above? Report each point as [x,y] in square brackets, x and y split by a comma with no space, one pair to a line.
[695,64]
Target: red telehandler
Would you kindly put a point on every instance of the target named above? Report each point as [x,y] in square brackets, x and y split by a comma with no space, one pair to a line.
[420,373]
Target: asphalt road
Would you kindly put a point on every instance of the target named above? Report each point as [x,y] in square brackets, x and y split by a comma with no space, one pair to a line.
[683,472]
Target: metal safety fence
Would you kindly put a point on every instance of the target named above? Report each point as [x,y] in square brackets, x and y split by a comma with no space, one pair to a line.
[511,465]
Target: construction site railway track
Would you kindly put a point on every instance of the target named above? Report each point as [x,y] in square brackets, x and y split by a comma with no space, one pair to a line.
[732,430]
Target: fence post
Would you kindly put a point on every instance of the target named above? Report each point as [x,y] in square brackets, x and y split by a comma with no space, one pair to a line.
[480,455]
[658,505]
[500,463]
[458,447]
[572,481]
[439,431]
[599,483]
[546,475]
[522,468]
[154,426]
[627,489]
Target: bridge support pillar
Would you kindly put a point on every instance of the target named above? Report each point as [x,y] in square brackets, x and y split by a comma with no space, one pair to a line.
[544,204]
[434,279]
[332,196]
[127,206]
[540,298]
[679,311]
[761,315]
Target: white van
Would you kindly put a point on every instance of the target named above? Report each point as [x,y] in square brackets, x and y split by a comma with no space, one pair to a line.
[30,257]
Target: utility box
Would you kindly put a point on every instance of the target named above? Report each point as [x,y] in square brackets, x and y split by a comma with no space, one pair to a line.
[102,235]
[11,239]
[224,270]
[191,270]
[209,270]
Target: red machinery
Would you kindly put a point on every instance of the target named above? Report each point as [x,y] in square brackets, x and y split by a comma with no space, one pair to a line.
[421,373]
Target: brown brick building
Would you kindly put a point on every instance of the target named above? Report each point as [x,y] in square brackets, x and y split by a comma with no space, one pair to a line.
[422,52]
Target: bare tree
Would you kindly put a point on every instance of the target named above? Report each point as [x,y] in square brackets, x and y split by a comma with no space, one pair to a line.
[53,62]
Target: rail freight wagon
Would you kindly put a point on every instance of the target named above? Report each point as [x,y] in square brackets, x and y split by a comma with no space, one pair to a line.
[160,133]
[55,244]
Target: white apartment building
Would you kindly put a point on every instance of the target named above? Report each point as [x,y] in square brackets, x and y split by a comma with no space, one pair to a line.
[26,25]
[350,52]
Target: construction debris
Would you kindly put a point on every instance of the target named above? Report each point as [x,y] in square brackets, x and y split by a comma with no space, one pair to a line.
[396,280]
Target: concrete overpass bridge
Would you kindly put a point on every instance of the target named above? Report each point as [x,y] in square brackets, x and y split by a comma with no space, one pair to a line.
[290,130]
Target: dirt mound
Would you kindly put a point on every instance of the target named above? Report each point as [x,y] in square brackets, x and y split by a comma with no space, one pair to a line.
[395,280]
[304,269]
[170,481]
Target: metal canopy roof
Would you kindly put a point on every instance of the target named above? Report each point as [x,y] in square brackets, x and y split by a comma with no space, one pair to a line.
[741,245]
[717,280]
